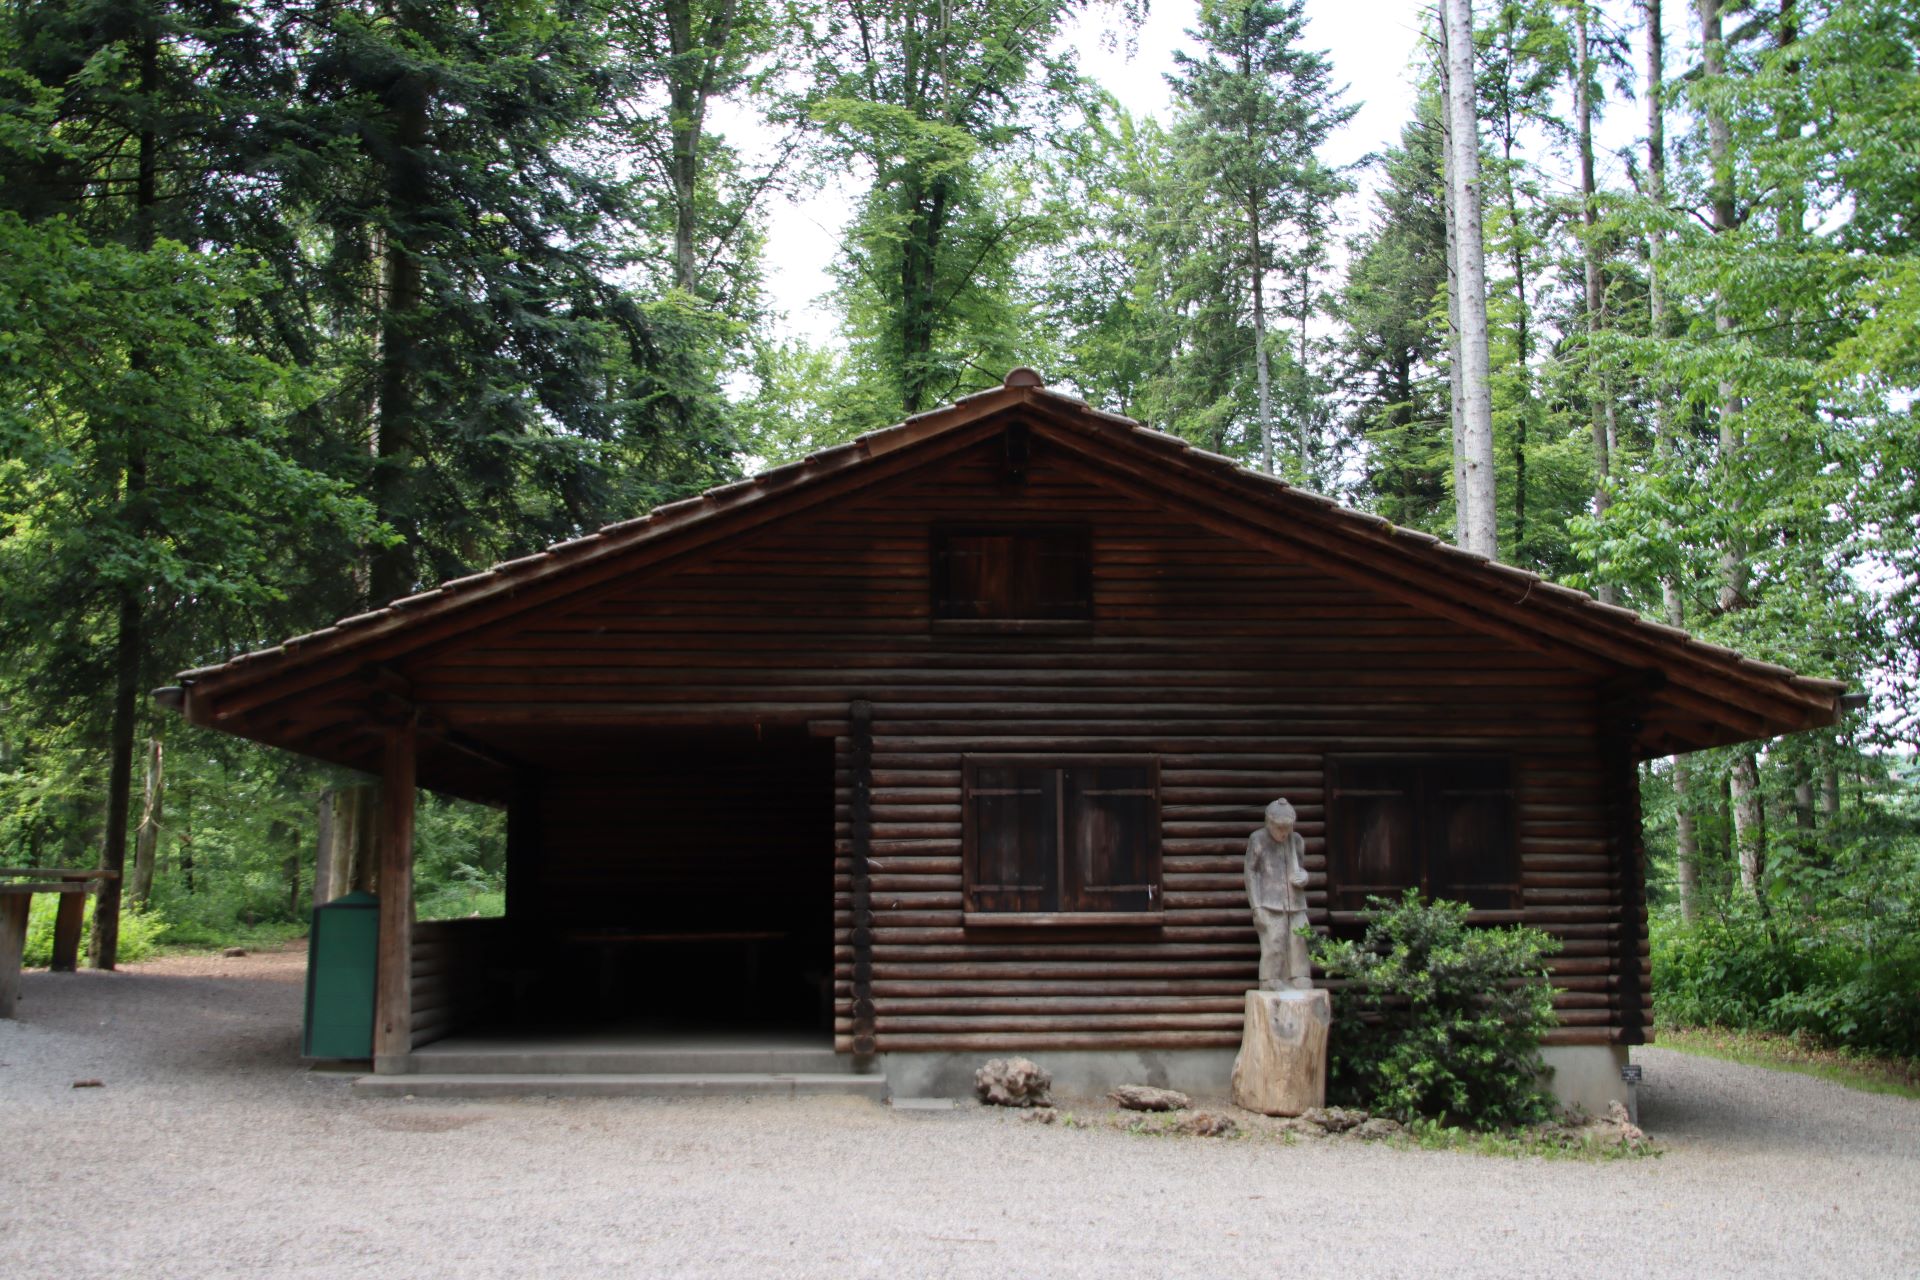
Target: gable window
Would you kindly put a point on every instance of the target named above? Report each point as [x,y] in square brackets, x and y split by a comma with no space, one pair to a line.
[1057,838]
[1442,824]
[1012,578]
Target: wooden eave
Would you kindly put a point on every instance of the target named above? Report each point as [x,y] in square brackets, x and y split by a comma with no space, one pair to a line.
[319,693]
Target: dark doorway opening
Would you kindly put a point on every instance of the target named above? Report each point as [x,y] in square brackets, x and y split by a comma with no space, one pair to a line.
[679,880]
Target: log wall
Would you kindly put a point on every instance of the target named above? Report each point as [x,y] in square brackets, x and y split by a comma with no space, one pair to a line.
[451,964]
[1241,671]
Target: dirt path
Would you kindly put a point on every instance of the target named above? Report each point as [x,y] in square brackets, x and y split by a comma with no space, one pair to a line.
[209,1152]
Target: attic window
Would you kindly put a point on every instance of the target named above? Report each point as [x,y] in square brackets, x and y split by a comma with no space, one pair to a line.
[997,579]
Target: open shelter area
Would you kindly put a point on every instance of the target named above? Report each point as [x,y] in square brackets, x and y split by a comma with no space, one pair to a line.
[206,1150]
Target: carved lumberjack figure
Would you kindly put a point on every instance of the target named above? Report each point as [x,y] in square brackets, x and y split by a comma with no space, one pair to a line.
[1277,891]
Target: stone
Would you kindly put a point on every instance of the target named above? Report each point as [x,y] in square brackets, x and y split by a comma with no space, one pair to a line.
[1144,1097]
[1042,1115]
[1205,1124]
[234,953]
[1333,1119]
[1281,1069]
[1276,880]
[1377,1128]
[1624,1131]
[1013,1082]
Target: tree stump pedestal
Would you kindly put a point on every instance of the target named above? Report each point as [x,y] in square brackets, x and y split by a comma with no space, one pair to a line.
[1282,1066]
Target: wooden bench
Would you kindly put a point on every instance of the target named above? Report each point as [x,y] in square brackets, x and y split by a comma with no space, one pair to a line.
[17,887]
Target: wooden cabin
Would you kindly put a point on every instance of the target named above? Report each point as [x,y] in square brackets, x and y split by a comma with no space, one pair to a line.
[947,742]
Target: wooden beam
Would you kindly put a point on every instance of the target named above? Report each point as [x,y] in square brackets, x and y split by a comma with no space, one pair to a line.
[13,941]
[393,1008]
[67,921]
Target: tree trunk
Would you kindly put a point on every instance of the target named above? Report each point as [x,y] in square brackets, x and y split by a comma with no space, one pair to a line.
[394,572]
[129,638]
[1732,594]
[919,260]
[1262,374]
[691,87]
[1474,390]
[1455,358]
[1523,317]
[146,838]
[1803,821]
[1597,396]
[1749,822]
[1308,420]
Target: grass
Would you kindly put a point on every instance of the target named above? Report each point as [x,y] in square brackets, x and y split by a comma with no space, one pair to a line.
[1548,1144]
[191,939]
[1898,1076]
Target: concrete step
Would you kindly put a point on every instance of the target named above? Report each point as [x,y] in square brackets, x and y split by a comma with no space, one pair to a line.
[468,1058]
[623,1085]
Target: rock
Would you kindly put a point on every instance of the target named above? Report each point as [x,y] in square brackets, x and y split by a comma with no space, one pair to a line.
[1282,1066]
[1333,1119]
[1013,1082]
[1042,1115]
[234,953]
[1377,1128]
[1205,1124]
[1144,1097]
[1619,1128]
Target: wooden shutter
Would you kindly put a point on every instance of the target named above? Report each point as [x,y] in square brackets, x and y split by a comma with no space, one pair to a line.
[1110,831]
[1055,576]
[1372,830]
[1470,847]
[1012,837]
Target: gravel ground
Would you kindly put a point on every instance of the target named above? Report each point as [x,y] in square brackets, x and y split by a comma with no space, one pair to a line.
[209,1152]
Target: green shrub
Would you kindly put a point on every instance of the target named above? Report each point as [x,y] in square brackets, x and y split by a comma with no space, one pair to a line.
[1822,979]
[140,932]
[1440,1019]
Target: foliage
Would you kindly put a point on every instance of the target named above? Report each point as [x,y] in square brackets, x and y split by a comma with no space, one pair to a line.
[141,932]
[1439,1019]
[1808,978]
[1830,949]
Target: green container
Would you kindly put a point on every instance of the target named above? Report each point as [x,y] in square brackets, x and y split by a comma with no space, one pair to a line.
[342,953]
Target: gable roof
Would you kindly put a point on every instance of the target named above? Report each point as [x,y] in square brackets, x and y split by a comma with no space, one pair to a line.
[1685,693]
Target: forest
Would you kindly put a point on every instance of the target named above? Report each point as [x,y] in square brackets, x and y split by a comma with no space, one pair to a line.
[304,304]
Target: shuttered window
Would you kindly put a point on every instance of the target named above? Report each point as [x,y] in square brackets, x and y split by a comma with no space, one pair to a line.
[1443,824]
[988,577]
[1052,836]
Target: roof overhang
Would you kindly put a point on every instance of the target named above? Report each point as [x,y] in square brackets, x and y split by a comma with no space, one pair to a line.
[1666,690]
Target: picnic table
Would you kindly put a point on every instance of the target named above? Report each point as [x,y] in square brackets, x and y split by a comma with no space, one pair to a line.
[17,887]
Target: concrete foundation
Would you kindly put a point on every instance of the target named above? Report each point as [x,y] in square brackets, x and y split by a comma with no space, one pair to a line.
[1587,1075]
[1583,1075]
[1076,1073]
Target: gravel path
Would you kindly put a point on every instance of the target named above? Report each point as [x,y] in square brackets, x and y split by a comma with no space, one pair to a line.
[209,1152]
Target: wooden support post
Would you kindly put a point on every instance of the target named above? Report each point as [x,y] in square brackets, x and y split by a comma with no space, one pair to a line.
[393,1000]
[1621,710]
[67,920]
[860,766]
[13,941]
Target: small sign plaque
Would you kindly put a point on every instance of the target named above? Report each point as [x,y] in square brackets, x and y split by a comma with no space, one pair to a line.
[1631,1073]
